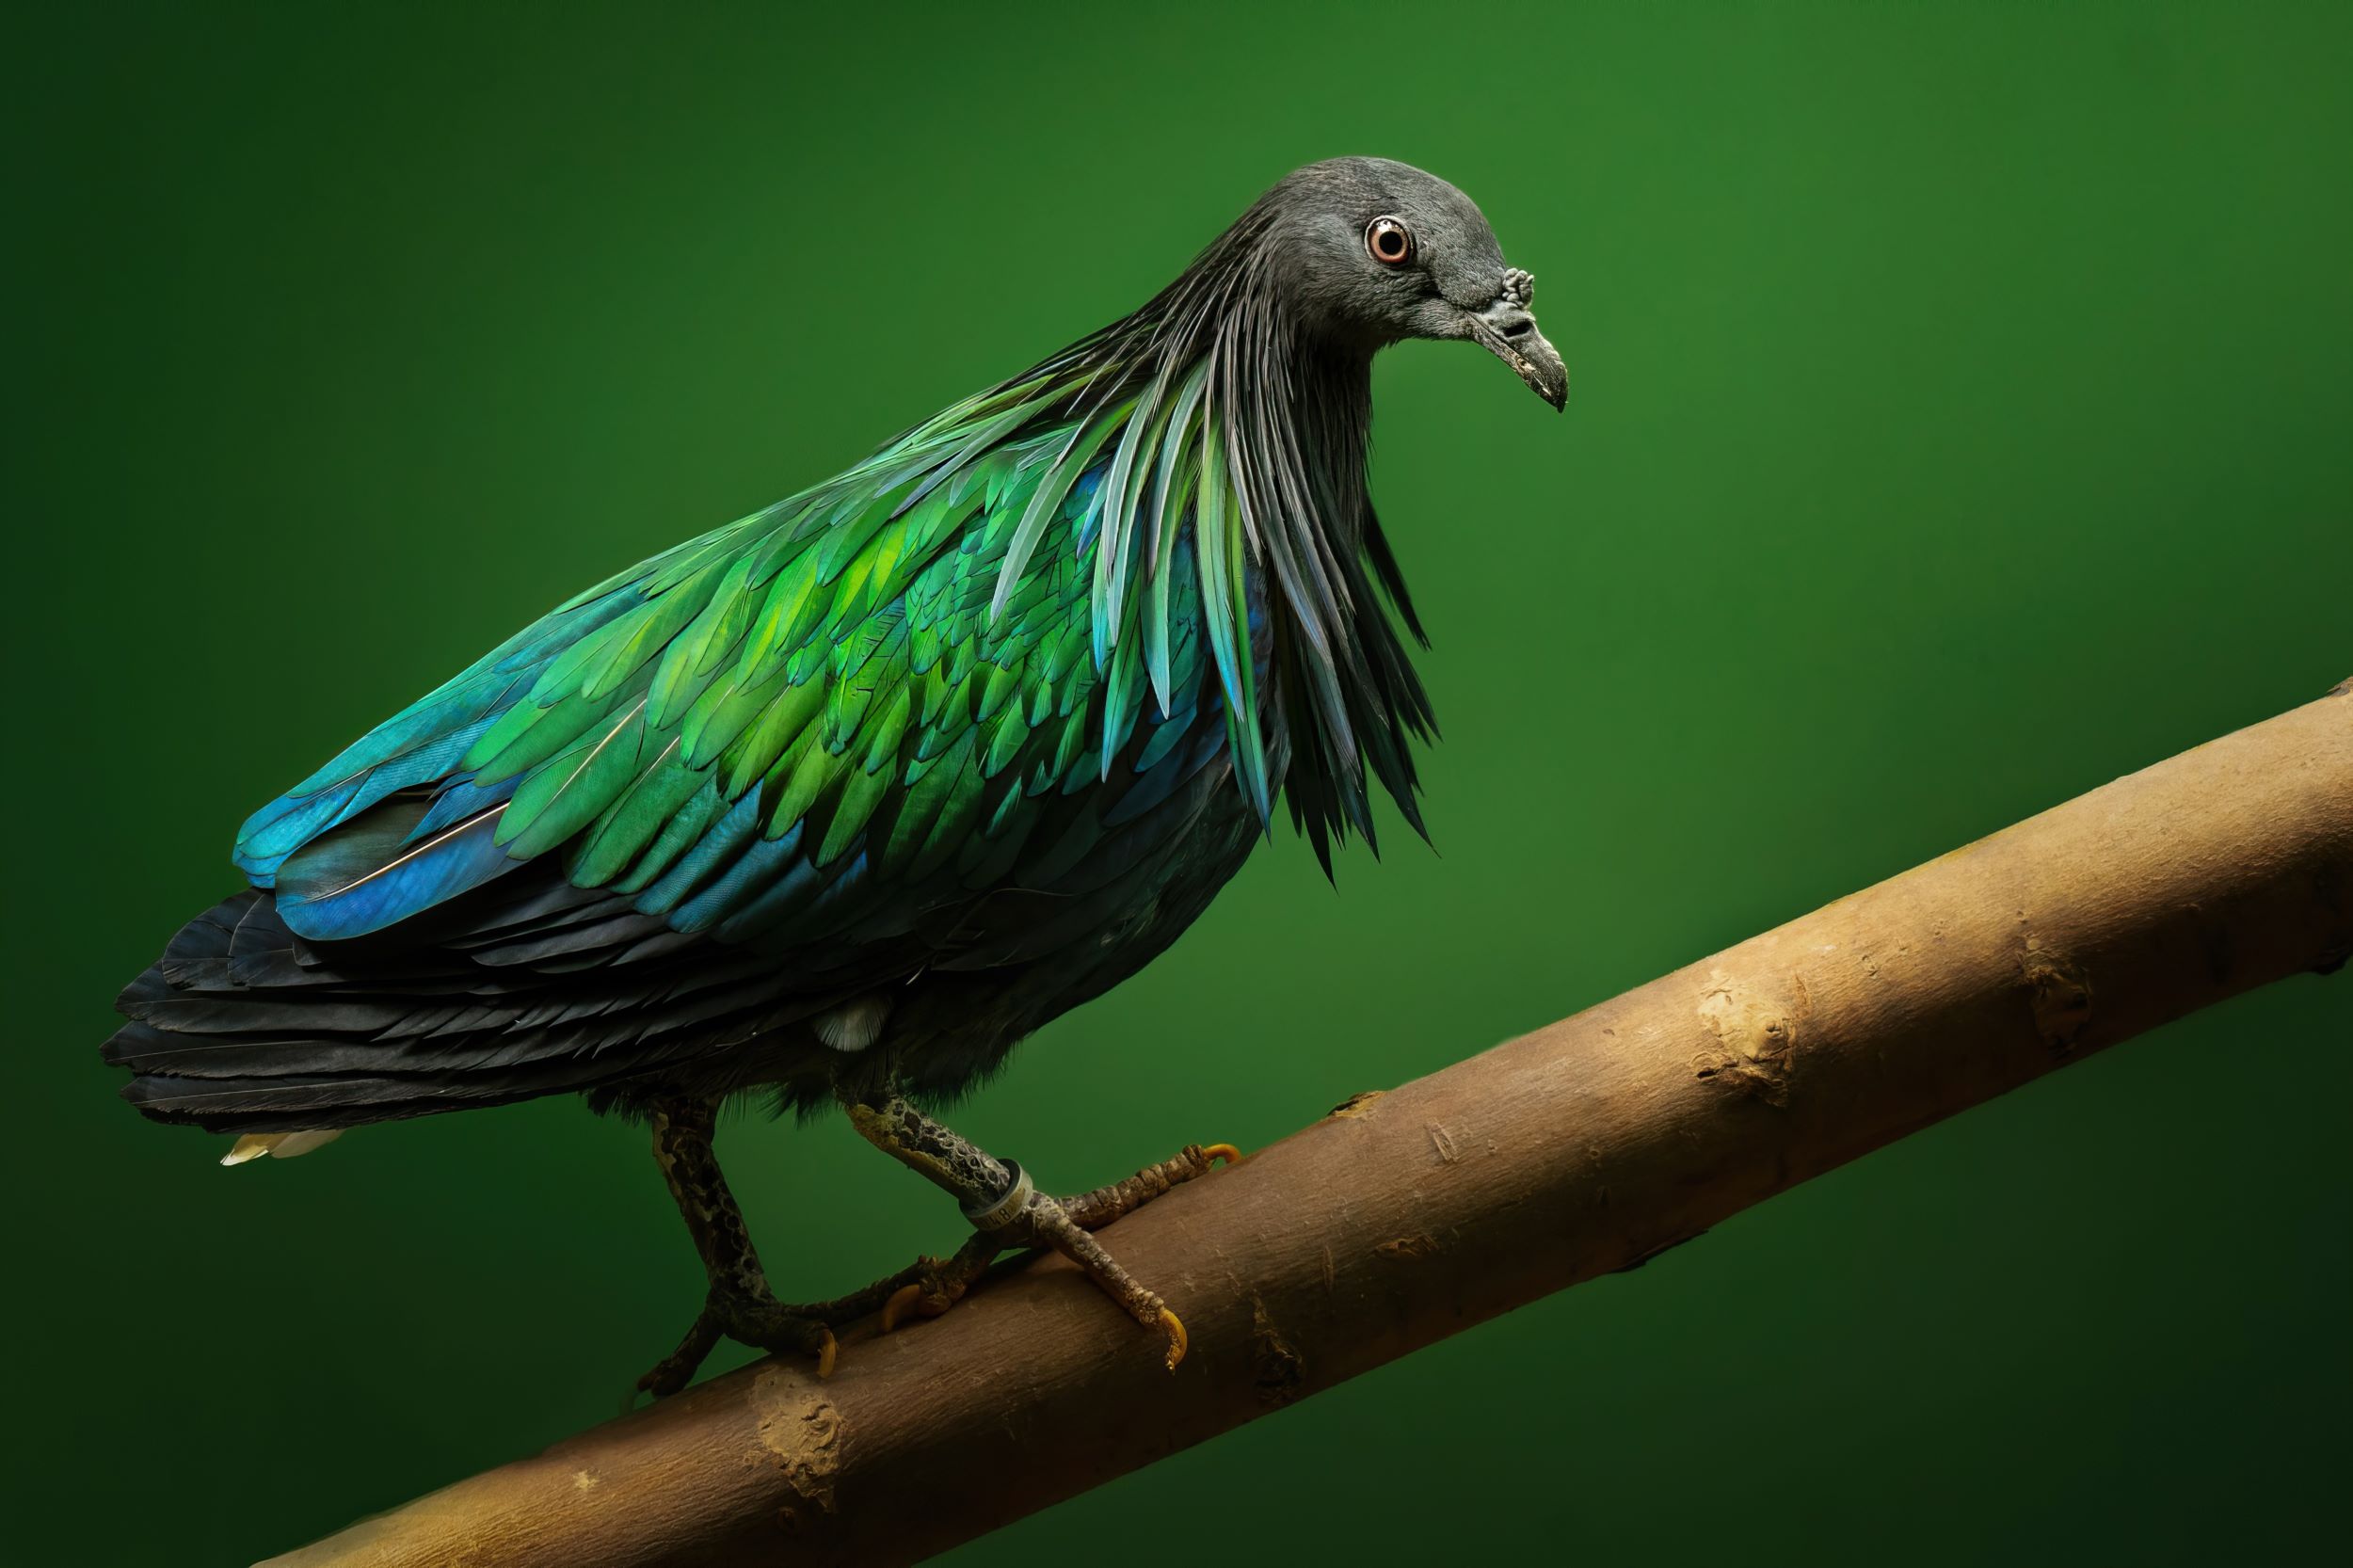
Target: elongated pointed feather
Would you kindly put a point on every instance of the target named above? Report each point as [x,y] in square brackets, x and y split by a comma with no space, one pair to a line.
[1168,497]
[1047,499]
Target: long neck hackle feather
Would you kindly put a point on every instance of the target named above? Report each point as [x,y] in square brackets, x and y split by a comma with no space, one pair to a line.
[1232,421]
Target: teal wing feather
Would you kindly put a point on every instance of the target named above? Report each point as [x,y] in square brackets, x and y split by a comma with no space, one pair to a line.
[987,647]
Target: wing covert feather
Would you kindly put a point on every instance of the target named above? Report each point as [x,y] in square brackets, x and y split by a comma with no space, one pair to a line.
[835,716]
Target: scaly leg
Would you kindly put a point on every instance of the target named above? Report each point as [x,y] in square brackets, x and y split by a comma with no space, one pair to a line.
[739,1305]
[1096,1209]
[1006,1211]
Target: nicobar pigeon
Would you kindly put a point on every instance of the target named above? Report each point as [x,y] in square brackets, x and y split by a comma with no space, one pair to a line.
[838,802]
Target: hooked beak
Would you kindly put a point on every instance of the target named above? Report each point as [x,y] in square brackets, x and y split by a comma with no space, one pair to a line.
[1508,331]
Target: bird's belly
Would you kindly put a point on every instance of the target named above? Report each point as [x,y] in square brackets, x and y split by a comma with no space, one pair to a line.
[953,1025]
[1208,859]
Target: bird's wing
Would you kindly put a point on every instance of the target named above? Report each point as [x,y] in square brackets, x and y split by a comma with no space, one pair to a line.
[826,720]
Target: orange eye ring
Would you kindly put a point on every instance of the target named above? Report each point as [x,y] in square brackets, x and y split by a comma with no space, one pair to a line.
[1388,242]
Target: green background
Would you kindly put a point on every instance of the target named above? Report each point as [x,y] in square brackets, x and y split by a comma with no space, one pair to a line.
[1963,416]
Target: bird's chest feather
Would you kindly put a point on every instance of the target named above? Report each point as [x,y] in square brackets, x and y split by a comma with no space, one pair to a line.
[1063,946]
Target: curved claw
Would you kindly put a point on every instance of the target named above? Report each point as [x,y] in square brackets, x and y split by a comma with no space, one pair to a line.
[1221,1151]
[826,1349]
[900,1299]
[1178,1342]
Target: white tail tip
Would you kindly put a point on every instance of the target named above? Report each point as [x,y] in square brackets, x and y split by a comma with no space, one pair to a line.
[285,1146]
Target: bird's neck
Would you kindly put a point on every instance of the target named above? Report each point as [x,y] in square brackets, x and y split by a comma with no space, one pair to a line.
[1291,409]
[1331,407]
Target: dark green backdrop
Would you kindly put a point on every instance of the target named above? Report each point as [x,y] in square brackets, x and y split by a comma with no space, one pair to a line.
[1963,416]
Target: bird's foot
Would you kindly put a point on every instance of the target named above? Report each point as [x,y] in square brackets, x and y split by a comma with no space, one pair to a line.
[1026,1218]
[1023,1217]
[939,1283]
[760,1322]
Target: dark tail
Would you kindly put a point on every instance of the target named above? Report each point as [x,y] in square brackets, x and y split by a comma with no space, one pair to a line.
[241,1026]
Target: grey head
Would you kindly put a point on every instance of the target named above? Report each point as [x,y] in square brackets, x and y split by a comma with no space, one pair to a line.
[1369,251]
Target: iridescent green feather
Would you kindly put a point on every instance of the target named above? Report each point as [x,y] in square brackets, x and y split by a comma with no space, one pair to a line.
[937,641]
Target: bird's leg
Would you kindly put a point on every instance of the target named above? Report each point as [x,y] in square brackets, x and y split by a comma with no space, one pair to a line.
[739,1304]
[1007,1211]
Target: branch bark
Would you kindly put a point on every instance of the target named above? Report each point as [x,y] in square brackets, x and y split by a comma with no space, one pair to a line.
[1407,1216]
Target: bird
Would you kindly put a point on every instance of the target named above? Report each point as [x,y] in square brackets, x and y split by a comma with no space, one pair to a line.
[833,804]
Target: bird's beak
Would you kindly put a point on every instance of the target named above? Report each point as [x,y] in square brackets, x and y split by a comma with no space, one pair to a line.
[1508,331]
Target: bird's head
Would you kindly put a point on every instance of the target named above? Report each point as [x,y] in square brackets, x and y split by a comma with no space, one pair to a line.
[1370,252]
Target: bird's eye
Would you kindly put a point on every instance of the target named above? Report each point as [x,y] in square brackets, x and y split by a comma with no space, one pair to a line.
[1388,242]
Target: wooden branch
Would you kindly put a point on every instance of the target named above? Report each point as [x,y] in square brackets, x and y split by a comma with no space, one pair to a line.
[1407,1216]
